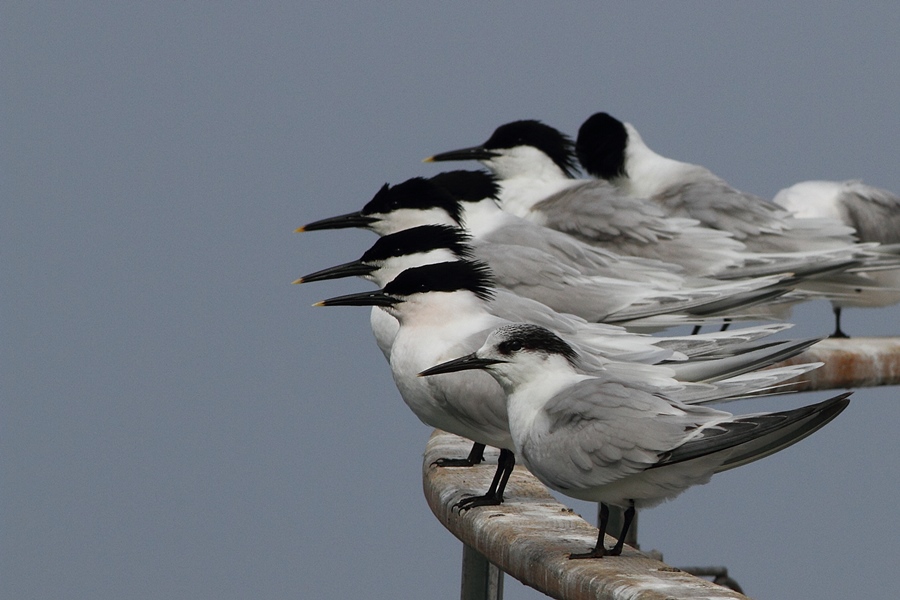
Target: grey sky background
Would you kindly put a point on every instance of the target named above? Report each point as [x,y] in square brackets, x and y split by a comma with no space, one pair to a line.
[178,422]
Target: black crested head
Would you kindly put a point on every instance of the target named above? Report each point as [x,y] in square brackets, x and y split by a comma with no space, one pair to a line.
[601,146]
[468,186]
[552,142]
[473,276]
[417,193]
[419,239]
[525,336]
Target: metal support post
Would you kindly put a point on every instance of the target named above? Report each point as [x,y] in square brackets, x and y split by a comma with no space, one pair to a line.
[481,580]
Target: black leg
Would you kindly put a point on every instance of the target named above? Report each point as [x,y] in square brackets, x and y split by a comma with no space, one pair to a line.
[476,455]
[697,329]
[838,333]
[627,518]
[494,495]
[599,550]
[726,325]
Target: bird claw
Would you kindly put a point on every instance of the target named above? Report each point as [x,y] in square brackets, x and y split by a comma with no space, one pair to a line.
[595,553]
[599,552]
[475,501]
[453,462]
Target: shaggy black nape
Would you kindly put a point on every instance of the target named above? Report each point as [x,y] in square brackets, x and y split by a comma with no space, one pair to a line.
[417,193]
[468,186]
[453,276]
[424,238]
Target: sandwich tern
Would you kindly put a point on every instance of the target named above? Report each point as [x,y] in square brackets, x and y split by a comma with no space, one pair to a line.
[614,151]
[534,161]
[596,212]
[446,309]
[471,203]
[615,216]
[874,215]
[616,441]
[534,274]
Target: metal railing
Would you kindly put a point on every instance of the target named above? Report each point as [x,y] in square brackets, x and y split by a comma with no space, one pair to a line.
[532,537]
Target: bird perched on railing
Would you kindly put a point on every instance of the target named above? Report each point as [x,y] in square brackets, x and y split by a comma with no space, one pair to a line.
[620,442]
[874,215]
[449,308]
[614,151]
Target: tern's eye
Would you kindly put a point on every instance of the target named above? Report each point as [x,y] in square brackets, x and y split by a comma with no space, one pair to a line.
[510,346]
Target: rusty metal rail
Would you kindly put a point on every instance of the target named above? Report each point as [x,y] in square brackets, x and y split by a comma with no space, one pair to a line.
[851,363]
[531,536]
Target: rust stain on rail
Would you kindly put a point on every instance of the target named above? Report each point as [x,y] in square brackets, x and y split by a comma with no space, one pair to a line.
[851,363]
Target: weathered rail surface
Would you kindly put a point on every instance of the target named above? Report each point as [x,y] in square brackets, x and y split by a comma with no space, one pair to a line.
[851,363]
[531,535]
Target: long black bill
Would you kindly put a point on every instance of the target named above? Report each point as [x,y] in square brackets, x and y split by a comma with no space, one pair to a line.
[469,361]
[376,298]
[350,269]
[473,153]
[354,219]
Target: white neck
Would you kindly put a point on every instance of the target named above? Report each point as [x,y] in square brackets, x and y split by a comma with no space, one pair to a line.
[523,161]
[649,173]
[529,387]
[518,196]
[395,265]
[481,218]
[407,218]
[432,309]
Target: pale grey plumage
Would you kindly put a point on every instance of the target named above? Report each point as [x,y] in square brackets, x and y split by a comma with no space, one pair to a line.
[534,274]
[615,152]
[620,440]
[762,226]
[596,213]
[586,259]
[874,213]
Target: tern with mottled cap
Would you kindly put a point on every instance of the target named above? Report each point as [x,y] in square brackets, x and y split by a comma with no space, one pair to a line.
[619,442]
